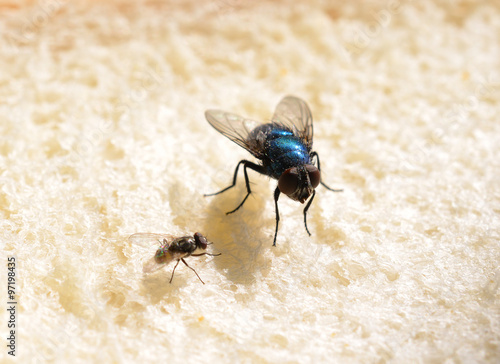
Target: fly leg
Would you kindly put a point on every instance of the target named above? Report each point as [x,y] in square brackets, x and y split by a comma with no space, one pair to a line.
[230,186]
[307,208]
[210,255]
[314,154]
[276,197]
[183,261]
[205,253]
[174,270]
[246,164]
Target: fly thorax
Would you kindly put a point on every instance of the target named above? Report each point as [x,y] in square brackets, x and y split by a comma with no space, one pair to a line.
[286,152]
[258,137]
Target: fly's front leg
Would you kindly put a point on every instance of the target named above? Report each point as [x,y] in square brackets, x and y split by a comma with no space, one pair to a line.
[314,154]
[307,208]
[276,197]
[209,254]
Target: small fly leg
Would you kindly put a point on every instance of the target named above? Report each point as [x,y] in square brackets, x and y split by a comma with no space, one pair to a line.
[246,164]
[197,255]
[173,271]
[183,261]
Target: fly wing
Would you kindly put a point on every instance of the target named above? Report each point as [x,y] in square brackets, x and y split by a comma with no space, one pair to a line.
[149,239]
[236,128]
[151,265]
[294,114]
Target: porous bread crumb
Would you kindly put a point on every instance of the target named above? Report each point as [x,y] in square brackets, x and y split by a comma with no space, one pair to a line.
[103,135]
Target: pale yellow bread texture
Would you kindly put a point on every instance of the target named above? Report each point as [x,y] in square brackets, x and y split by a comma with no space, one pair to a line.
[103,135]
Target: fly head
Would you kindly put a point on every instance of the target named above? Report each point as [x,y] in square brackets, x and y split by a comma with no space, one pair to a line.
[298,183]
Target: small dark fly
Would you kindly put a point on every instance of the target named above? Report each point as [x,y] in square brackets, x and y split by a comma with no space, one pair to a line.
[172,248]
[284,148]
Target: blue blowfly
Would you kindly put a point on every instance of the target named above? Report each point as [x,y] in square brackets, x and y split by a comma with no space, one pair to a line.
[284,148]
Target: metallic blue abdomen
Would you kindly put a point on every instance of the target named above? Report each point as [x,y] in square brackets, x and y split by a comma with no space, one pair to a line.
[284,151]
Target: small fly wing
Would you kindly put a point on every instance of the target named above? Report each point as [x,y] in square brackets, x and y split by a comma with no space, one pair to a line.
[236,128]
[149,239]
[151,265]
[294,114]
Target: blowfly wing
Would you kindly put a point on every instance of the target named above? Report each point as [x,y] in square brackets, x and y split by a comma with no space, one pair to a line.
[294,114]
[236,128]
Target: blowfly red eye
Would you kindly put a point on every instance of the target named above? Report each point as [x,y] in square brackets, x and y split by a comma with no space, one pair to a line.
[201,241]
[289,181]
[314,175]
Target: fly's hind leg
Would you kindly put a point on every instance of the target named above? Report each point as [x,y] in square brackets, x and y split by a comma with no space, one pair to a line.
[246,164]
[183,261]
[173,271]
